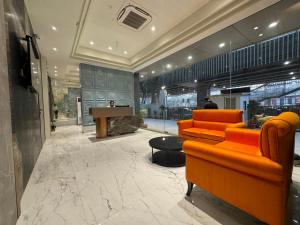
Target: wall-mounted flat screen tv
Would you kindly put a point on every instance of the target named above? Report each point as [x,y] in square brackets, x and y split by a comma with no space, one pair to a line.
[30,71]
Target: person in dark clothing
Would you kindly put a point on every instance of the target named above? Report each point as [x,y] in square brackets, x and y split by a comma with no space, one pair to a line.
[209,104]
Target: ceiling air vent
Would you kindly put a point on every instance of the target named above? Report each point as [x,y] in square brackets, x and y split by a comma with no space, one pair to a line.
[134,17]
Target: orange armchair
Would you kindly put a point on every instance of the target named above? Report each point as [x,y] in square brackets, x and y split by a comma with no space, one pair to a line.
[209,125]
[251,169]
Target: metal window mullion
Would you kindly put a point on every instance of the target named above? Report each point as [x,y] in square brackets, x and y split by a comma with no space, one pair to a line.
[293,44]
[287,46]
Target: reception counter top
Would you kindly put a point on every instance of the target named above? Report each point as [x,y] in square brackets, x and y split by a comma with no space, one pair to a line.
[101,115]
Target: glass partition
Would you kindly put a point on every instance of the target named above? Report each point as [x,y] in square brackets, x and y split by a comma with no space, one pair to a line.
[252,66]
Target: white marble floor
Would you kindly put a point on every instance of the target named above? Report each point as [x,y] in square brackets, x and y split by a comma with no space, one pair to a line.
[81,181]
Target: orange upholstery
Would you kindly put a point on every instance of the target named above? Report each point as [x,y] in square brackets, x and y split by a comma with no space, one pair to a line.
[209,126]
[251,169]
[204,133]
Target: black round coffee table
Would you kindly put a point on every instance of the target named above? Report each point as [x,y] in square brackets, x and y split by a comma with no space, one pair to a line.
[170,151]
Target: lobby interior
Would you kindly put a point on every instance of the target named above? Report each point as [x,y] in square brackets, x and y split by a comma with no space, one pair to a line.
[105,120]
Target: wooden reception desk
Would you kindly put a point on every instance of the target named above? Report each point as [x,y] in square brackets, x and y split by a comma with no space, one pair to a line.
[101,115]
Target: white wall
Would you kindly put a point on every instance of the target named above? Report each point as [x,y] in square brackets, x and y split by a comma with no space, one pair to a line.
[239,102]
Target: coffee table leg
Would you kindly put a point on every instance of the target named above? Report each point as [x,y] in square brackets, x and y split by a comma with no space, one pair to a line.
[152,155]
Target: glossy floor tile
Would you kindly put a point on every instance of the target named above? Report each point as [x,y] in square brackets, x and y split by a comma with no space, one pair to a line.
[79,180]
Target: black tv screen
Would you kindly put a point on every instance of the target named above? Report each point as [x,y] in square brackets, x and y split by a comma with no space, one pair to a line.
[30,71]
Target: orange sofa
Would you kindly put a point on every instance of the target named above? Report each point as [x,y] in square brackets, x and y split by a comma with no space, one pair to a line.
[209,125]
[251,169]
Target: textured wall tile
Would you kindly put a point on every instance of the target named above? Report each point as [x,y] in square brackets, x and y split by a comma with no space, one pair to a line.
[100,85]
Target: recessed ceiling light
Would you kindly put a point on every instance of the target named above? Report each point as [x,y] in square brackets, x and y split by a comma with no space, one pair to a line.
[224,87]
[92,43]
[255,28]
[273,24]
[291,73]
[54,28]
[77,69]
[153,28]
[55,75]
[109,48]
[54,49]
[125,52]
[286,62]
[214,85]
[293,78]
[190,57]
[35,72]
[221,45]
[195,81]
[55,71]
[169,66]
[32,63]
[163,87]
[153,71]
[182,89]
[55,67]
[142,76]
[260,35]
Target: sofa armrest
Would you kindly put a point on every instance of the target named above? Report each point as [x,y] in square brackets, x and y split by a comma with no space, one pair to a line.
[184,124]
[237,125]
[257,166]
[243,136]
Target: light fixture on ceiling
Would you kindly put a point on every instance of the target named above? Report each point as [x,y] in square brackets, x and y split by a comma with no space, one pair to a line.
[142,76]
[153,28]
[190,57]
[163,87]
[291,73]
[182,89]
[221,45]
[286,62]
[77,69]
[55,71]
[92,43]
[153,71]
[109,48]
[293,78]
[224,87]
[214,85]
[35,72]
[169,66]
[54,28]
[125,52]
[255,28]
[55,75]
[54,49]
[195,81]
[260,35]
[55,67]
[273,24]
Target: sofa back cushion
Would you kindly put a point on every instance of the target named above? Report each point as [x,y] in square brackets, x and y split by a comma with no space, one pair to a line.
[211,125]
[278,137]
[218,115]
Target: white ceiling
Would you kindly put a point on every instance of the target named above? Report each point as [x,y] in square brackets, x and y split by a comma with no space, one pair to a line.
[178,24]
[102,28]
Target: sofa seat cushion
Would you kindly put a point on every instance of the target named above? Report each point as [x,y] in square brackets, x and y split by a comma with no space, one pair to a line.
[238,147]
[204,133]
